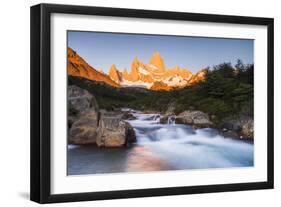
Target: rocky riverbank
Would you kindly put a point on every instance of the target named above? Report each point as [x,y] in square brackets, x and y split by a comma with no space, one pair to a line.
[240,128]
[161,147]
[87,124]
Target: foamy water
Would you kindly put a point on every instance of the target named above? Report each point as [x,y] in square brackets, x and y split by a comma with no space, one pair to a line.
[185,147]
[163,147]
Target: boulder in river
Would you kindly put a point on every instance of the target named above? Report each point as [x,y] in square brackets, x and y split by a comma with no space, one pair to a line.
[79,101]
[114,132]
[83,116]
[84,130]
[198,119]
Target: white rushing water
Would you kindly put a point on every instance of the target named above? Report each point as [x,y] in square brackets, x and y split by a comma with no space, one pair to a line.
[162,147]
[185,148]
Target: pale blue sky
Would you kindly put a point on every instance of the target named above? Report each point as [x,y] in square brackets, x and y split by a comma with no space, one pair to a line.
[101,50]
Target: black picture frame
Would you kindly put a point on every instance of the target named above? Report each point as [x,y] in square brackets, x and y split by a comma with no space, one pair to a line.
[41,98]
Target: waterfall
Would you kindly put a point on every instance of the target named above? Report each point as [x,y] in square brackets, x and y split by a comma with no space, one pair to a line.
[157,118]
[171,120]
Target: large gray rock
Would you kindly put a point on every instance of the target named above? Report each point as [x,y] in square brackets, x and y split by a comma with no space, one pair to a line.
[84,130]
[198,119]
[79,101]
[114,132]
[83,116]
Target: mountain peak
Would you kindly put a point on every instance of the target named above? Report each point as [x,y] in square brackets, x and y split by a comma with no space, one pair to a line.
[135,60]
[114,74]
[153,76]
[134,69]
[113,67]
[125,74]
[157,61]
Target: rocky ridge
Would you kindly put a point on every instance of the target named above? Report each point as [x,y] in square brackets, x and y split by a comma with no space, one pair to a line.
[155,75]
[77,66]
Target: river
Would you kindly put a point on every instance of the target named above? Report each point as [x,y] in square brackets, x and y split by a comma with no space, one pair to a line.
[162,147]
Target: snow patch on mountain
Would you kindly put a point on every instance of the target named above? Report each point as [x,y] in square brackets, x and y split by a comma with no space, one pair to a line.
[143,71]
[175,81]
[154,75]
[153,66]
[139,83]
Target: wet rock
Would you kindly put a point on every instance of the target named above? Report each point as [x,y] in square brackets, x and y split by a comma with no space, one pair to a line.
[198,119]
[168,119]
[231,134]
[130,134]
[231,126]
[128,116]
[164,120]
[172,120]
[241,127]
[114,132]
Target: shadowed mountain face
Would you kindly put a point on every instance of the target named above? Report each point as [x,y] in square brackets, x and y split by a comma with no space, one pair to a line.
[153,76]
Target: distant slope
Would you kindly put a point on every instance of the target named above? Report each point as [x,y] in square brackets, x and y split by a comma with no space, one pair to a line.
[77,66]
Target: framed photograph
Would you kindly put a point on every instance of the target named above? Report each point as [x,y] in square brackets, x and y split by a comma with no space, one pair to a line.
[133,103]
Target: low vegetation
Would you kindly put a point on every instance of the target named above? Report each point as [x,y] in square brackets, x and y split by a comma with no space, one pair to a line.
[227,91]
